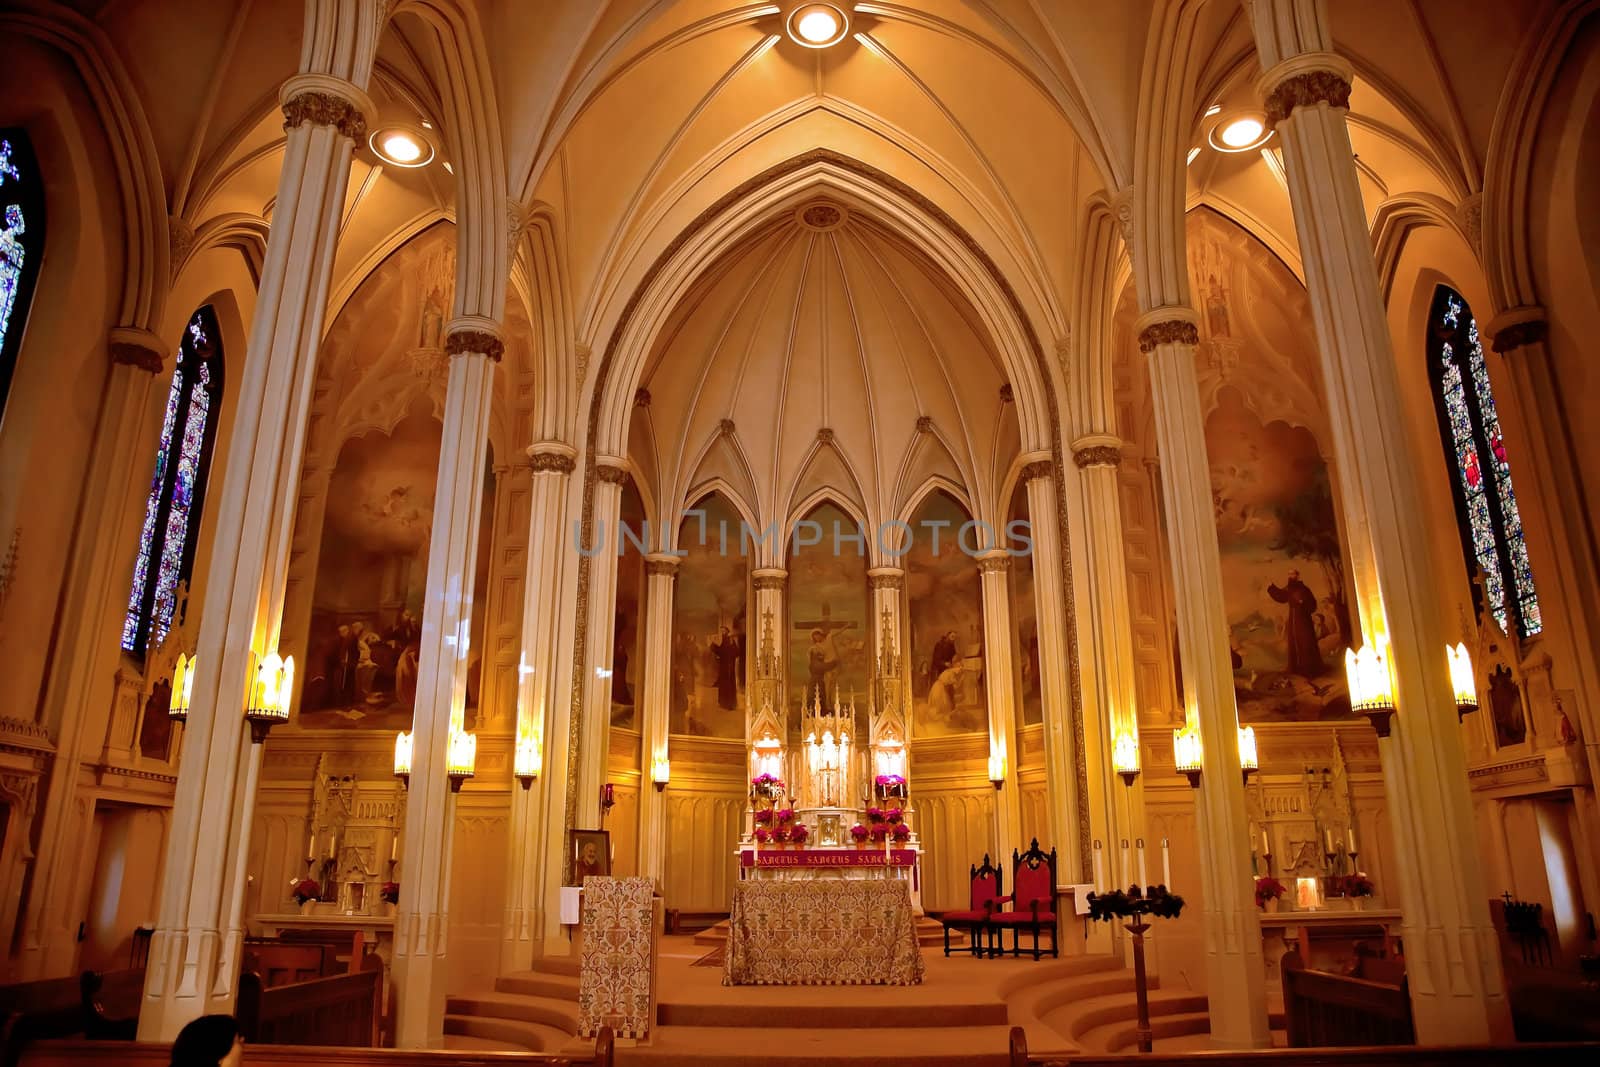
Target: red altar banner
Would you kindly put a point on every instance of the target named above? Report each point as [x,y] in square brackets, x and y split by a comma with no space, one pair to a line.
[826,857]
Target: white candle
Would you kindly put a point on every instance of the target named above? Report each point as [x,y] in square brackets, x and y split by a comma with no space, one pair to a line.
[311,845]
[1125,875]
[1099,869]
[1350,838]
[333,845]
[1265,848]
[1166,864]
[1327,839]
[394,846]
[1144,879]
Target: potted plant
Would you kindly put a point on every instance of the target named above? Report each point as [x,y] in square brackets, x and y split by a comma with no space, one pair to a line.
[1268,890]
[1358,887]
[780,836]
[859,834]
[894,816]
[900,832]
[389,893]
[763,835]
[880,831]
[799,833]
[889,785]
[874,816]
[306,892]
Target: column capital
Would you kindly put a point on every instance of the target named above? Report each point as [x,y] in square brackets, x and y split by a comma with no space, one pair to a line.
[1517,327]
[136,347]
[1305,80]
[994,561]
[1037,464]
[612,470]
[1171,324]
[323,100]
[474,335]
[662,563]
[886,577]
[769,578]
[552,457]
[1097,450]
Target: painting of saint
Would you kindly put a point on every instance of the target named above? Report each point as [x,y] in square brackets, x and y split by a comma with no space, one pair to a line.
[1024,615]
[709,608]
[627,663]
[829,600]
[945,603]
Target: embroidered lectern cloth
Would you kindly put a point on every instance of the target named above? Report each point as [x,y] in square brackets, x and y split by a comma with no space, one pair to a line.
[614,984]
[822,932]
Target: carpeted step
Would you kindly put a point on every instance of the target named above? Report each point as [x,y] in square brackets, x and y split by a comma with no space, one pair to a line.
[836,1015]
[1109,1024]
[568,965]
[547,1011]
[538,984]
[1124,1036]
[468,1043]
[507,1033]
[691,1046]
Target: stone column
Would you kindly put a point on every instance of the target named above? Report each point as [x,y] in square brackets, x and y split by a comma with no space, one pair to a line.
[1001,692]
[93,606]
[1235,969]
[1063,733]
[1521,336]
[611,474]
[536,848]
[771,586]
[661,569]
[1452,954]
[888,599]
[422,925]
[194,955]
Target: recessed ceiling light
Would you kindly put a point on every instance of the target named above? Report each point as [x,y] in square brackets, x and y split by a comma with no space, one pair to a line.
[818,25]
[1239,131]
[401,146]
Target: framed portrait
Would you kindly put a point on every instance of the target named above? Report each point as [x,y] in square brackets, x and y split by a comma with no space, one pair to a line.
[591,854]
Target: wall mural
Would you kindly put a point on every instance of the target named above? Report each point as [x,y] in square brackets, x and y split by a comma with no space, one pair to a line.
[830,637]
[1024,615]
[627,629]
[709,605]
[372,571]
[946,614]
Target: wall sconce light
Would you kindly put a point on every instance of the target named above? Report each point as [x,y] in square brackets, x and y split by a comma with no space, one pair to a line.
[1125,757]
[182,689]
[660,772]
[1186,754]
[1371,687]
[461,757]
[997,768]
[1249,762]
[528,761]
[402,758]
[1461,680]
[608,797]
[270,692]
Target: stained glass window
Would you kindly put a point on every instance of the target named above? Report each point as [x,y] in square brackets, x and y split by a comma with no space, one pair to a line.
[21,245]
[177,489]
[1486,503]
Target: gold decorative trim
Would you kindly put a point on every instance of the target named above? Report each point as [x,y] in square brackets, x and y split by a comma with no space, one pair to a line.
[1519,334]
[887,581]
[1170,332]
[1304,90]
[1039,468]
[669,567]
[770,581]
[994,564]
[1098,456]
[133,354]
[324,109]
[474,342]
[551,463]
[981,255]
[611,475]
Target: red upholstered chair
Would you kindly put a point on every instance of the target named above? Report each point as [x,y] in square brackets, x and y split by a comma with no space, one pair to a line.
[975,920]
[1033,900]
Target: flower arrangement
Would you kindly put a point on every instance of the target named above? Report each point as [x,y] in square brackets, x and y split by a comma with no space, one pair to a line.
[305,889]
[1268,888]
[762,835]
[889,785]
[783,816]
[894,816]
[880,831]
[766,785]
[764,815]
[799,833]
[874,816]
[780,835]
[900,831]
[859,832]
[389,892]
[1136,902]
[1357,885]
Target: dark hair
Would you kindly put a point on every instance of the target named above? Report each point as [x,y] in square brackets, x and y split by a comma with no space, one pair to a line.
[204,1041]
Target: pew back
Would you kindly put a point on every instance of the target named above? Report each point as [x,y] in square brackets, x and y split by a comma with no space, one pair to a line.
[280,964]
[136,1054]
[1322,1009]
[342,1009]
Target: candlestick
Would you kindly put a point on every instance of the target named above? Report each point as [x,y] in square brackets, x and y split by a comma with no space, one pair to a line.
[1144,879]
[394,846]
[1350,839]
[1099,869]
[1166,865]
[1125,874]
[1327,839]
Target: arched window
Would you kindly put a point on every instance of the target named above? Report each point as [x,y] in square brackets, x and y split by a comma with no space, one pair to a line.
[21,245]
[172,513]
[1486,505]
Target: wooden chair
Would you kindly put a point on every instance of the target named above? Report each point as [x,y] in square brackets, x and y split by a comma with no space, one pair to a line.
[1032,900]
[975,919]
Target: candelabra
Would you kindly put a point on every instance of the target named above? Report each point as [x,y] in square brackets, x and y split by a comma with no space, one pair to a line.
[1136,906]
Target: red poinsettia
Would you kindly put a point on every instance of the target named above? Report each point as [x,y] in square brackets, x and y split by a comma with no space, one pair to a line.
[389,892]
[1268,888]
[306,889]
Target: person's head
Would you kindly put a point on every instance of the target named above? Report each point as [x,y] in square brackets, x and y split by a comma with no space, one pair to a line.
[591,853]
[344,630]
[816,637]
[209,1041]
[1294,575]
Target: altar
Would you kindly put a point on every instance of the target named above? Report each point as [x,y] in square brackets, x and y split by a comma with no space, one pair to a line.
[812,932]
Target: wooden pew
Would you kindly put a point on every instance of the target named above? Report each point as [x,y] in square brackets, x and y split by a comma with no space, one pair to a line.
[343,947]
[131,1054]
[280,964]
[111,1004]
[344,1009]
[65,1007]
[1321,1009]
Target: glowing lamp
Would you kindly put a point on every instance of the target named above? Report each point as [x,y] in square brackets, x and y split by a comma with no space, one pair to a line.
[1125,757]
[660,772]
[182,689]
[817,25]
[1240,132]
[1371,687]
[1186,753]
[401,146]
[1461,679]
[461,756]
[526,762]
[270,691]
[402,758]
[1249,762]
[997,767]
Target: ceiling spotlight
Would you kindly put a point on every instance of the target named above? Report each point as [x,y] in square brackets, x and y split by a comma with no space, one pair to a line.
[401,146]
[1240,131]
[817,25]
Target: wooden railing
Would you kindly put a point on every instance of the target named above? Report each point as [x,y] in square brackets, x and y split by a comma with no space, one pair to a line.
[342,1010]
[132,1054]
[1322,1009]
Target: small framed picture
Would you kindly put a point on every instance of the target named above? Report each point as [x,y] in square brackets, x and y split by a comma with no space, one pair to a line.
[591,854]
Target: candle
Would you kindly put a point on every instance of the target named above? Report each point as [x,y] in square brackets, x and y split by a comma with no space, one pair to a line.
[1144,879]
[1266,849]
[1327,840]
[394,846]
[333,845]
[1166,864]
[1125,875]
[1350,839]
[1099,869]
[311,845]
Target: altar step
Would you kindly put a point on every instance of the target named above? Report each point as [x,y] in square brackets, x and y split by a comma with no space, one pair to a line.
[930,934]
[723,1046]
[534,1010]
